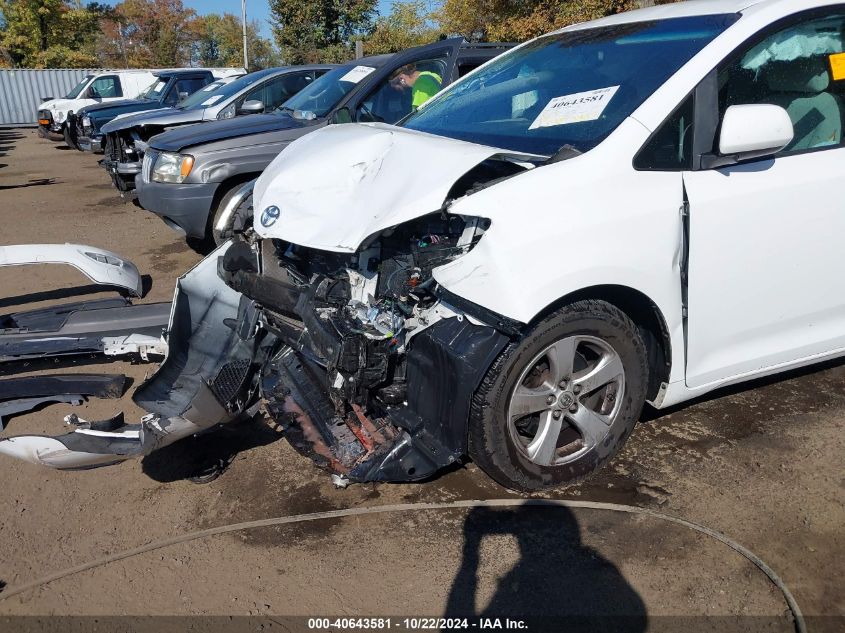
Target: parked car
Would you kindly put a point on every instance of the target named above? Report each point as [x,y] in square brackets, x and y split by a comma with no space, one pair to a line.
[101,87]
[125,139]
[206,199]
[639,208]
[167,89]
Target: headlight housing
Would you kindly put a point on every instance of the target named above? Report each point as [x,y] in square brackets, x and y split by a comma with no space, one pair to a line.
[171,167]
[86,121]
[59,116]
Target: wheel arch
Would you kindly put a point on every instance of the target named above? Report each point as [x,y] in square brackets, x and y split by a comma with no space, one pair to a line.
[645,314]
[230,183]
[226,186]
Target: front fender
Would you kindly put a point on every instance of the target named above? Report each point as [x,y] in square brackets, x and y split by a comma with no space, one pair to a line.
[561,228]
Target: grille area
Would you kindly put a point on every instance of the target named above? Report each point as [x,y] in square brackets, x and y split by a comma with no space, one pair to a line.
[230,379]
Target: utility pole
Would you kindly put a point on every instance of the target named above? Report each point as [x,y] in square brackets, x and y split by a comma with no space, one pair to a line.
[243,15]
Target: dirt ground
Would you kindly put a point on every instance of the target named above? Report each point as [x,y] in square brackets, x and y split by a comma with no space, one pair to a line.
[762,464]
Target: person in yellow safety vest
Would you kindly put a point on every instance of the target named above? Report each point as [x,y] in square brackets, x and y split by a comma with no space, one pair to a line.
[423,84]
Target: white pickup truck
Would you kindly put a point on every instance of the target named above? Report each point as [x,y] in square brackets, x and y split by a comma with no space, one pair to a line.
[109,85]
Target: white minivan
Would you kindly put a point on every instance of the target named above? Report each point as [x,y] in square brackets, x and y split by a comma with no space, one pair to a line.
[640,208]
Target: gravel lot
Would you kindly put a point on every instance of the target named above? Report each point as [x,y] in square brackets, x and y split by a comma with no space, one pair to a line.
[762,464]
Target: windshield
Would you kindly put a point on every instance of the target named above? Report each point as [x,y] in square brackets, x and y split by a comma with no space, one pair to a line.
[155,90]
[319,97]
[218,91]
[77,89]
[572,88]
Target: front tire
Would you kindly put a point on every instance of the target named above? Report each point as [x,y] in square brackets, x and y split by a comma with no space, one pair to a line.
[70,139]
[560,403]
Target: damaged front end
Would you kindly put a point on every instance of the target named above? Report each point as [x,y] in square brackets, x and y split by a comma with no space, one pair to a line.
[209,377]
[376,371]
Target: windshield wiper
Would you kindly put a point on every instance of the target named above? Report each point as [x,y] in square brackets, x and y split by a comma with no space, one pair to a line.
[564,153]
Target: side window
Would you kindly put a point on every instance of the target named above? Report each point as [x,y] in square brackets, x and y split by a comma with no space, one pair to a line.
[468,65]
[256,94]
[406,89]
[183,88]
[283,88]
[670,147]
[106,87]
[800,68]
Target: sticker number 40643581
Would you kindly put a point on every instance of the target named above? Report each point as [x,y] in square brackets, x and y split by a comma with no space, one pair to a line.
[575,108]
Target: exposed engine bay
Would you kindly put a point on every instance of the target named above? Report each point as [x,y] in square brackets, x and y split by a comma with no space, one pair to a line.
[367,364]
[377,370]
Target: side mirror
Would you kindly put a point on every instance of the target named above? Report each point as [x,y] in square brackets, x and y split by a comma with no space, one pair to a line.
[252,107]
[751,131]
[89,93]
[344,115]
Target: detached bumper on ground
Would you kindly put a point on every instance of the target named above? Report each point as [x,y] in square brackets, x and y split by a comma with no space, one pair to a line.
[208,378]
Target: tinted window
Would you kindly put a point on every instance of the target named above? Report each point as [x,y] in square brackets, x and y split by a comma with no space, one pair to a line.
[404,90]
[155,90]
[571,88]
[184,88]
[256,94]
[77,89]
[670,147]
[204,98]
[283,88]
[800,68]
[320,96]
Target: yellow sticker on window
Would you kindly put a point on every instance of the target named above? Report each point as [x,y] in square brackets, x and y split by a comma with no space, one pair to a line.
[837,66]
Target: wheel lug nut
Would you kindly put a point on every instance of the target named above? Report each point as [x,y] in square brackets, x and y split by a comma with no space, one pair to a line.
[550,400]
[573,408]
[576,389]
[562,384]
[556,414]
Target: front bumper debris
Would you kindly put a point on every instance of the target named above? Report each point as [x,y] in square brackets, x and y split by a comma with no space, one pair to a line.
[24,394]
[209,377]
[105,326]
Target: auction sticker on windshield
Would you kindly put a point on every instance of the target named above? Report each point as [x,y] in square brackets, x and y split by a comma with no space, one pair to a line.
[357,74]
[212,100]
[575,108]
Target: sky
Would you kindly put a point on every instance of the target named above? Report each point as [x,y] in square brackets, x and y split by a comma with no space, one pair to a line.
[255,9]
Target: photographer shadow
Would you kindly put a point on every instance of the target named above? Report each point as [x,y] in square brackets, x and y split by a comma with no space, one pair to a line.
[557,583]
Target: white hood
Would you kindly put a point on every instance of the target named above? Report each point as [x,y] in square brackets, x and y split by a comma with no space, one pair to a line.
[337,186]
[56,104]
[59,108]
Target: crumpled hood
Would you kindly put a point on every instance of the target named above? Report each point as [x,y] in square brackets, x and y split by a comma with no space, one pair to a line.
[212,131]
[337,186]
[163,116]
